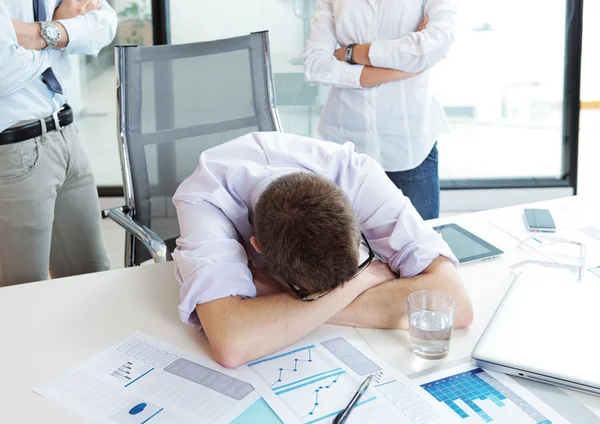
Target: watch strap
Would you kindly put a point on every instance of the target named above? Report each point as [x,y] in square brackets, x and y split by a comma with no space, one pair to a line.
[348,54]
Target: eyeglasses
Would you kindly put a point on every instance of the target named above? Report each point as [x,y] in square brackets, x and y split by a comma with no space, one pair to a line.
[308,297]
[564,258]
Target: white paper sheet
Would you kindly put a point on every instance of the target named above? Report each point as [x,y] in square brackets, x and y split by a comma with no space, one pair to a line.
[142,380]
[477,396]
[312,381]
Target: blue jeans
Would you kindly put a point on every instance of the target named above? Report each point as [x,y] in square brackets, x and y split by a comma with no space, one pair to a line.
[421,185]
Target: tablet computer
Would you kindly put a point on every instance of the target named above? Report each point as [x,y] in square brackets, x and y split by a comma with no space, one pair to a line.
[466,246]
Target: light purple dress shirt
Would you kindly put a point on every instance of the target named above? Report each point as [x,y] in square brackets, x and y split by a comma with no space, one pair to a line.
[214,207]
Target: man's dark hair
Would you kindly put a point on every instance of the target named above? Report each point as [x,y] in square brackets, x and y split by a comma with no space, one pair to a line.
[307,231]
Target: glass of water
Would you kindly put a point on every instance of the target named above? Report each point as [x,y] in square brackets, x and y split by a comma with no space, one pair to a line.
[430,321]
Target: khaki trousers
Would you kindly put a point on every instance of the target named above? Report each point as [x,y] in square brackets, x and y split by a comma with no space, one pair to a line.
[49,210]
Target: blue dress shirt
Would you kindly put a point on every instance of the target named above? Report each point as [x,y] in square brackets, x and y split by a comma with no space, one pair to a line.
[23,94]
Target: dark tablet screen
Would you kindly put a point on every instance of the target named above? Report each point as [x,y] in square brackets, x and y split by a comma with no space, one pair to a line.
[465,245]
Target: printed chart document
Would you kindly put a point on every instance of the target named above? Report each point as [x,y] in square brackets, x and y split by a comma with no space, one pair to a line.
[311,382]
[477,396]
[142,380]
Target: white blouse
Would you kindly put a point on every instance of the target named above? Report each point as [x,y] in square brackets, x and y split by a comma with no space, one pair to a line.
[396,123]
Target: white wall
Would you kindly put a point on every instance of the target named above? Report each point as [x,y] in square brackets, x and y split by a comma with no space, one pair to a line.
[590,63]
[202,20]
[589,124]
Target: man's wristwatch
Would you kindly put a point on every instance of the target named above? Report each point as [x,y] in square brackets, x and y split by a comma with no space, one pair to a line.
[50,33]
[348,54]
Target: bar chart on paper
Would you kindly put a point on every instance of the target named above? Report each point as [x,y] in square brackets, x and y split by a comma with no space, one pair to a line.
[312,386]
[477,397]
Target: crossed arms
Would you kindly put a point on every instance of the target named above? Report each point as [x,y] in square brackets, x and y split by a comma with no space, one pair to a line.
[246,314]
[241,330]
[86,26]
[381,61]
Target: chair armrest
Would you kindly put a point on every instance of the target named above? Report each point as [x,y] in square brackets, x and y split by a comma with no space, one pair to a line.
[155,245]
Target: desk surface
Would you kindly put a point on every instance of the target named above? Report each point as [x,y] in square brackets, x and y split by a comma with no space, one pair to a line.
[47,327]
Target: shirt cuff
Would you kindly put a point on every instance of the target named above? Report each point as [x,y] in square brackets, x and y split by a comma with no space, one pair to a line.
[419,257]
[212,282]
[77,32]
[378,55]
[348,75]
[383,52]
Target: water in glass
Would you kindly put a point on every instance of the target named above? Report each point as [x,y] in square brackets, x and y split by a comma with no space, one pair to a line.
[430,333]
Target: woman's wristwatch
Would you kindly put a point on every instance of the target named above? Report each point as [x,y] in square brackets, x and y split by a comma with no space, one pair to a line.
[348,54]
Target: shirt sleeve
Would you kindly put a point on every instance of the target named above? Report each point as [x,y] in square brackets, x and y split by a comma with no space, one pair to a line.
[320,65]
[417,51]
[18,66]
[210,262]
[90,32]
[394,228]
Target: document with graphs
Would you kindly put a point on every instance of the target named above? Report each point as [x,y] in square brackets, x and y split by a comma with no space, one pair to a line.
[478,396]
[142,380]
[312,381]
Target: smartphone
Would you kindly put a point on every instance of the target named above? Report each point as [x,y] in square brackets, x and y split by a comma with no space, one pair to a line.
[539,220]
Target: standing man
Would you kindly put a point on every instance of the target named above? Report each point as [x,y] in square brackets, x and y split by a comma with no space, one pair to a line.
[49,209]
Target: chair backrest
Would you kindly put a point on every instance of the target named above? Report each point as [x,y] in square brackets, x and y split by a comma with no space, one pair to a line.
[176,101]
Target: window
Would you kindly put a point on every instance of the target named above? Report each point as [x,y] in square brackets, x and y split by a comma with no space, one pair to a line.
[502,84]
[92,91]
[502,89]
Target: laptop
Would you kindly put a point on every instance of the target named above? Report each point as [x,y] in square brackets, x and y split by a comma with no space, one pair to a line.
[546,331]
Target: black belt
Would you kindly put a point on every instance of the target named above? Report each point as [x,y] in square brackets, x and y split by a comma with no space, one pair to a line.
[28,131]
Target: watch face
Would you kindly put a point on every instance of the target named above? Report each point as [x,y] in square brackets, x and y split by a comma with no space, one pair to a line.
[52,32]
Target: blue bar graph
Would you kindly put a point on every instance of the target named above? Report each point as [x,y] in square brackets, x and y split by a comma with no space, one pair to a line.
[477,385]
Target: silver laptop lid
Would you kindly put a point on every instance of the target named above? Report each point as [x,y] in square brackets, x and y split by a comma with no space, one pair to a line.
[550,328]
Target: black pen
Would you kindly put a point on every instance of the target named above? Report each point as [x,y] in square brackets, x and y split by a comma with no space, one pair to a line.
[343,415]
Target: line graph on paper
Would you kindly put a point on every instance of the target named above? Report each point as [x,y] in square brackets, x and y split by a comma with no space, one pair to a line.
[312,386]
[284,371]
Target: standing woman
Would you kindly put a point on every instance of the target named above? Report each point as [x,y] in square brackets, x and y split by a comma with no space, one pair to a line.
[375,55]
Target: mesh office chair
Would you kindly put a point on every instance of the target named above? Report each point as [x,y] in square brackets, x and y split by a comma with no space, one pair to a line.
[174,102]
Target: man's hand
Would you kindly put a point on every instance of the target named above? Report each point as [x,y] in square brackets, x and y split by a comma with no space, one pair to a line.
[385,306]
[29,35]
[72,8]
[375,274]
[265,284]
[423,23]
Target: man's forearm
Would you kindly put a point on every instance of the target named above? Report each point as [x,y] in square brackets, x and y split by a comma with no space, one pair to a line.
[385,306]
[240,330]
[30,38]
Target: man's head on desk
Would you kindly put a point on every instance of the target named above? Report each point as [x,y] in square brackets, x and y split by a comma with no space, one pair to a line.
[307,231]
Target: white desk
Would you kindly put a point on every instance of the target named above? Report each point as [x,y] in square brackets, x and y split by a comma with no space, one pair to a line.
[47,327]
